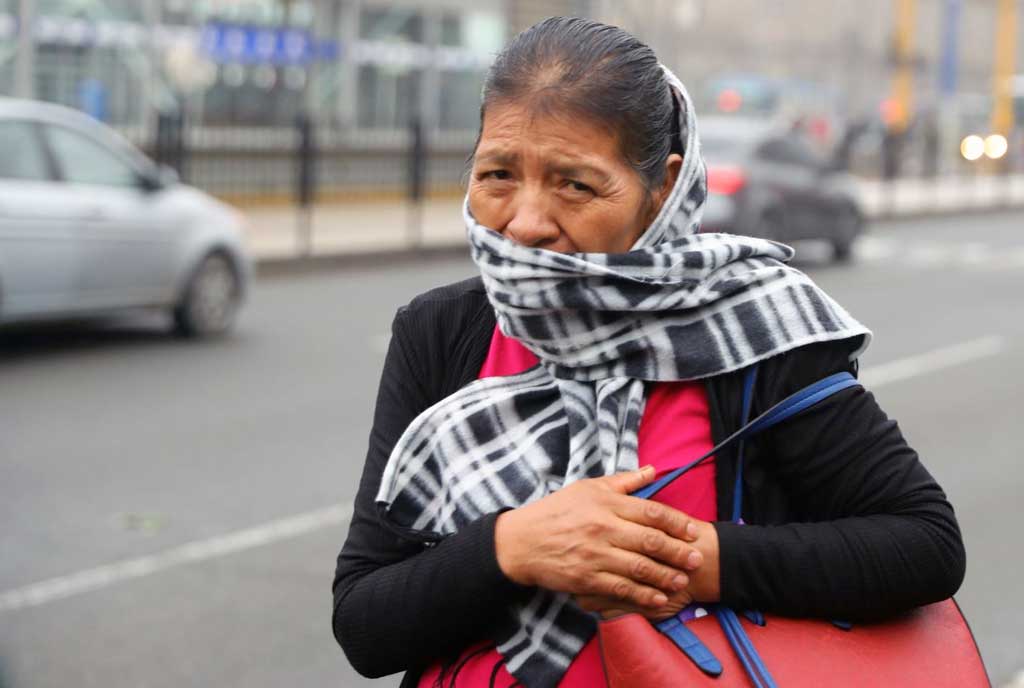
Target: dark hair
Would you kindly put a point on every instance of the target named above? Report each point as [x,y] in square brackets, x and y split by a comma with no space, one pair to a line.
[583,67]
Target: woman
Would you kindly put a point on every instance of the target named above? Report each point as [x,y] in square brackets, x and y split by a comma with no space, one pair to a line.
[493,522]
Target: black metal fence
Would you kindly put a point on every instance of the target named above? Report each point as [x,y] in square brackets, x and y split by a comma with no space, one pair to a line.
[310,161]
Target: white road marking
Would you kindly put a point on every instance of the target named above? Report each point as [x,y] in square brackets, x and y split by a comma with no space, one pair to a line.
[931,255]
[1010,260]
[106,576]
[975,253]
[37,594]
[932,361]
[874,248]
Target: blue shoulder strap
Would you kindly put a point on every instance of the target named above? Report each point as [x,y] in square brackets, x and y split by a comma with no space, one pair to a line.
[749,379]
[673,628]
[787,408]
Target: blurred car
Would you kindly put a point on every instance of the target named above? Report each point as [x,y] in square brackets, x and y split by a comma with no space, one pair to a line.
[768,182]
[89,225]
[811,106]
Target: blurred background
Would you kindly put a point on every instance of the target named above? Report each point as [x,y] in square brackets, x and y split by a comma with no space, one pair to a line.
[270,179]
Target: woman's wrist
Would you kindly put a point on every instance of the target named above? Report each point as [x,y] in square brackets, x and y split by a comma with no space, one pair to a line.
[705,580]
[507,547]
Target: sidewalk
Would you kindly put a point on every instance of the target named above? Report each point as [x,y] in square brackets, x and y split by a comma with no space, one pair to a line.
[881,200]
[357,229]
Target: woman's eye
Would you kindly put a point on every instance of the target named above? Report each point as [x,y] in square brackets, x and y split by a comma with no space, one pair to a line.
[495,174]
[580,187]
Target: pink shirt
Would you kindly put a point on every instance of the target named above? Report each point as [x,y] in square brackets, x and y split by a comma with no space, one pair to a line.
[675,428]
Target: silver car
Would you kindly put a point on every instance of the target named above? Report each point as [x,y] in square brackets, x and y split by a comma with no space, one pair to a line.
[89,225]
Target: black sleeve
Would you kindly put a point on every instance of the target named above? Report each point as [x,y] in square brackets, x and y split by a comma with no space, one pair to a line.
[874,535]
[399,605]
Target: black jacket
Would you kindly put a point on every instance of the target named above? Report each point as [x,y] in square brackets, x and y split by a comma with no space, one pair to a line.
[843,520]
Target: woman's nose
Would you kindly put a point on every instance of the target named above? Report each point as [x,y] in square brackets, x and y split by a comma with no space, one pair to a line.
[532,223]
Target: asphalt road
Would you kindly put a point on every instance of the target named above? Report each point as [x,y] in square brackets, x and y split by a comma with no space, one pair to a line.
[177,467]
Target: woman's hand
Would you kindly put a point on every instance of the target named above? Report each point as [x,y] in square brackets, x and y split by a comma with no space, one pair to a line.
[703,587]
[609,607]
[593,539]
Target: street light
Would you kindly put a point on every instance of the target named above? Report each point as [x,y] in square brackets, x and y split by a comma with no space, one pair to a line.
[972,147]
[996,146]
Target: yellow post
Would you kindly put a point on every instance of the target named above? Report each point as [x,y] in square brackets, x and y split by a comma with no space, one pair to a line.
[903,81]
[1003,67]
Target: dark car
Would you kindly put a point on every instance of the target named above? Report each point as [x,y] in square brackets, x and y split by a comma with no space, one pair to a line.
[770,182]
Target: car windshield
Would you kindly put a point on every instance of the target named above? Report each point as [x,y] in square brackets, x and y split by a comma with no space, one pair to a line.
[724,149]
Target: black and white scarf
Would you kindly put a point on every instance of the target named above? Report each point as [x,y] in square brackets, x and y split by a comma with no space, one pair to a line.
[679,306]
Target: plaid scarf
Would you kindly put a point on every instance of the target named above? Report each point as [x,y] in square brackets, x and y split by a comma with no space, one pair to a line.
[678,306]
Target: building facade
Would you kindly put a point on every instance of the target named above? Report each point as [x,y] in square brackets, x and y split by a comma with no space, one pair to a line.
[242,71]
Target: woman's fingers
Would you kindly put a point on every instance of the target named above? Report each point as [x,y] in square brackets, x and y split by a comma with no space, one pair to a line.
[610,607]
[620,588]
[642,569]
[631,481]
[607,607]
[657,515]
[656,544]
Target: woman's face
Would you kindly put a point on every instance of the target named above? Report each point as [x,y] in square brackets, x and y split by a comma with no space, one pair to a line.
[559,183]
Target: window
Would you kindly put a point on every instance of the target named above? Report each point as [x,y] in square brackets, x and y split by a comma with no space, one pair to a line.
[804,154]
[460,100]
[178,12]
[22,155]
[391,24]
[98,80]
[716,149]
[481,32]
[124,10]
[388,96]
[84,161]
[451,30]
[790,151]
[7,77]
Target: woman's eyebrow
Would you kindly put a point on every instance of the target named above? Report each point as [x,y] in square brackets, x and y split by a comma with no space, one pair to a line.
[500,158]
[574,170]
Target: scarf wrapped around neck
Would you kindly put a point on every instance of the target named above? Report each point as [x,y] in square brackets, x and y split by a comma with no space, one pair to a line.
[679,306]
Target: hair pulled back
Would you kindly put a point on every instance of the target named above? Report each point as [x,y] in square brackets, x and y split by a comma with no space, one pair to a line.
[575,66]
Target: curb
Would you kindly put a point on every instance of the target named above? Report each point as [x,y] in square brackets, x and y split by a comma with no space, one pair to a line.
[288,266]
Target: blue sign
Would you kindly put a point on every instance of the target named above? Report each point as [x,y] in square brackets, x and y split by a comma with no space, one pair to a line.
[92,98]
[264,45]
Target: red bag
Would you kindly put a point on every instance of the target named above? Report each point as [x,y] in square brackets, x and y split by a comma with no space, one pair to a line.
[931,647]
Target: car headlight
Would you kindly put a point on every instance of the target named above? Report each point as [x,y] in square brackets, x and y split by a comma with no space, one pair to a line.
[996,146]
[972,147]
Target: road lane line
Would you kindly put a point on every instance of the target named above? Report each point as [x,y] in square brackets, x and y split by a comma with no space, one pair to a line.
[106,576]
[932,361]
[89,580]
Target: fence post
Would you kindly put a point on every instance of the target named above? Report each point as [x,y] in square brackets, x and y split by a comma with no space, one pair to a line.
[170,148]
[306,182]
[417,181]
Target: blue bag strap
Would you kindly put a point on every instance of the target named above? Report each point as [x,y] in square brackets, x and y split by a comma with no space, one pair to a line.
[749,380]
[790,406]
[744,649]
[674,628]
[687,641]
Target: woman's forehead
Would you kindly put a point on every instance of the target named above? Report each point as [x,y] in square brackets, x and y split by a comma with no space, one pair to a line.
[512,133]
